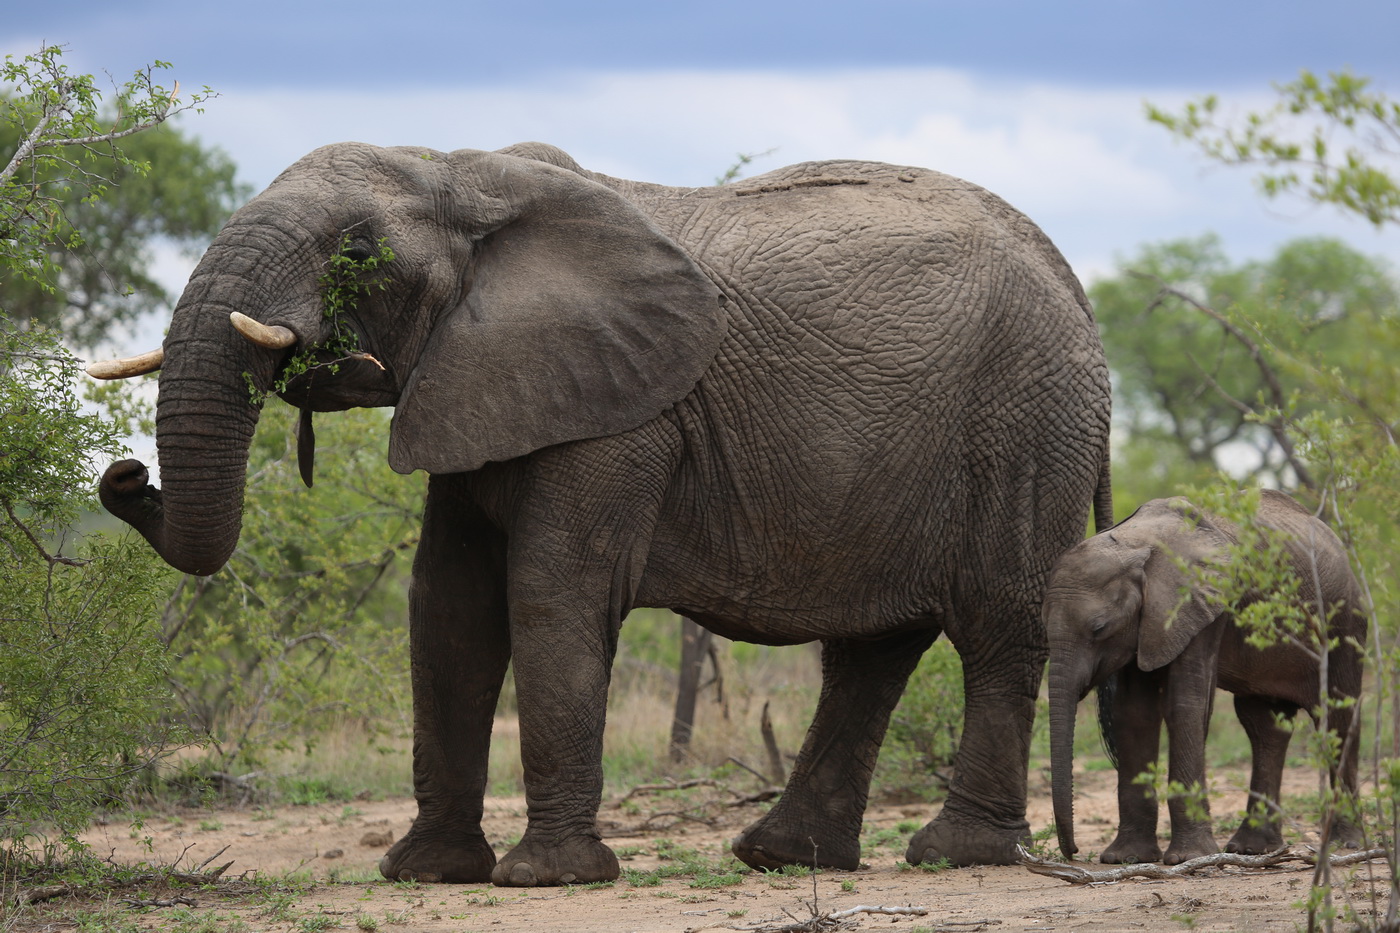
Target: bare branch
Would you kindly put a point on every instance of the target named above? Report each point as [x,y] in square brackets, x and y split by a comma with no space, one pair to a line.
[1277,396]
[1076,875]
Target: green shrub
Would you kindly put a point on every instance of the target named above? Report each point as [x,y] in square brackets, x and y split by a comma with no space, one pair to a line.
[81,661]
[924,730]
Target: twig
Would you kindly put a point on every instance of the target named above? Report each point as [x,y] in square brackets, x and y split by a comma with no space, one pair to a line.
[830,921]
[770,743]
[145,903]
[758,774]
[674,785]
[1076,875]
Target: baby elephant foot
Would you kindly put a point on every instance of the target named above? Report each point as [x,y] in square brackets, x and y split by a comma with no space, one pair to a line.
[538,862]
[1347,833]
[965,842]
[1131,849]
[418,857]
[770,843]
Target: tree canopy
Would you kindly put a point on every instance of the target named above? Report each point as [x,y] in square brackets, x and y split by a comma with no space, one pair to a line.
[81,216]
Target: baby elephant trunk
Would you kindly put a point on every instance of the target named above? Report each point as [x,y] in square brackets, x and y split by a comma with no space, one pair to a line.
[1064,699]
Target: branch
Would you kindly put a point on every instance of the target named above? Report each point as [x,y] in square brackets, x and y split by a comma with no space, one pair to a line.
[834,920]
[50,558]
[1076,875]
[1256,353]
[35,138]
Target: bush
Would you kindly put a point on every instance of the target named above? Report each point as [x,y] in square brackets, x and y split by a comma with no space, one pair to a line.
[922,741]
[82,667]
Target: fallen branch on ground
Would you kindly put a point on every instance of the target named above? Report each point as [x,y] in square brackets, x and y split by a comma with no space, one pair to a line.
[1076,875]
[199,876]
[672,785]
[833,919]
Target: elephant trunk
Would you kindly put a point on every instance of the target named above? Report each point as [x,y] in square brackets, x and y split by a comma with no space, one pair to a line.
[205,420]
[1065,693]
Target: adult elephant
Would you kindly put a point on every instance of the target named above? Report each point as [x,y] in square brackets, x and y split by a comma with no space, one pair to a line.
[843,401]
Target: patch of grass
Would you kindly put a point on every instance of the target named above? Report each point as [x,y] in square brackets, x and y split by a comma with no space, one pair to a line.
[315,923]
[881,838]
[279,906]
[687,863]
[307,791]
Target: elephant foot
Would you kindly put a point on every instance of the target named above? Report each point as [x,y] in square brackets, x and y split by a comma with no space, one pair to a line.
[418,857]
[1346,834]
[773,841]
[539,862]
[1194,845]
[1256,836]
[964,841]
[1131,849]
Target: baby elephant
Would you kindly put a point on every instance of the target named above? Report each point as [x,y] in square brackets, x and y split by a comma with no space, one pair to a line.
[1109,615]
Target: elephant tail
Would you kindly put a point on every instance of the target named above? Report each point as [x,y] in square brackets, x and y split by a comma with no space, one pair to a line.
[1104,694]
[1103,496]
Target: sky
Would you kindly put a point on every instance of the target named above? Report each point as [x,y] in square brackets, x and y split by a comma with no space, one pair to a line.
[1042,101]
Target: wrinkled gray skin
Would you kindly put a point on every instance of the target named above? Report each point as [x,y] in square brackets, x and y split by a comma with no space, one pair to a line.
[843,401]
[1107,607]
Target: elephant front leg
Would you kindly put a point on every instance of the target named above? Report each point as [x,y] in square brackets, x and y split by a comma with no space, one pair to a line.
[563,651]
[984,818]
[1136,717]
[818,817]
[1189,696]
[460,646]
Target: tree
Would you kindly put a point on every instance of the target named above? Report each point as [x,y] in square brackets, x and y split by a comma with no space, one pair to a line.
[1174,322]
[82,671]
[305,623]
[1331,142]
[80,215]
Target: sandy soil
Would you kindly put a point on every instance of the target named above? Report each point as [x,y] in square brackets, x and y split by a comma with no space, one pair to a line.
[339,845]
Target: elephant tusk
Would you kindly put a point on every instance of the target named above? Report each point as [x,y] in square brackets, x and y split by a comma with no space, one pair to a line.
[128,367]
[272,337]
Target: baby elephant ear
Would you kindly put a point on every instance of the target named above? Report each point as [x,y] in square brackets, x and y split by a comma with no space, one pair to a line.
[1178,598]
[578,319]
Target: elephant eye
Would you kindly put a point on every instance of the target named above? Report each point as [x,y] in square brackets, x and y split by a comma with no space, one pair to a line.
[358,250]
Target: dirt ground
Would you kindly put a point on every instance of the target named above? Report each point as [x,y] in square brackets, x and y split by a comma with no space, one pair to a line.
[339,846]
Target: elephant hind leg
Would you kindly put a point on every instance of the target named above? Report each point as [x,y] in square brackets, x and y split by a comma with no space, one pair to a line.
[818,818]
[1261,830]
[984,818]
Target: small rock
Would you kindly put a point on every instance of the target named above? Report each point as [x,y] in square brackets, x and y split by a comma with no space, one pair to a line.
[377,840]
[333,853]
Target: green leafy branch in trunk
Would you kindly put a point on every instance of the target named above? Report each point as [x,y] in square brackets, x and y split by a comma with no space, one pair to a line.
[352,274]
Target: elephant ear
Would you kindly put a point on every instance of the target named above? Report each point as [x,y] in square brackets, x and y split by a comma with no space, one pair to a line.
[578,319]
[1178,598]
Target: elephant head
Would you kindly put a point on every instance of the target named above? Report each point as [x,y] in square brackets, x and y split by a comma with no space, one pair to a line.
[525,305]
[1138,592]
